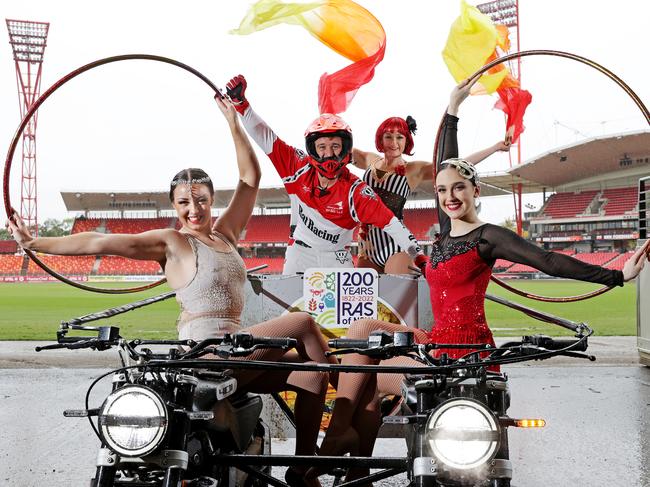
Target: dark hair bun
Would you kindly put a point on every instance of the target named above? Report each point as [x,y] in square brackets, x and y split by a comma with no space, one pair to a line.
[412,125]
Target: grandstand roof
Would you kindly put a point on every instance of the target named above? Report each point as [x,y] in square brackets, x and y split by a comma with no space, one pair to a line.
[115,200]
[608,161]
[614,160]
[275,197]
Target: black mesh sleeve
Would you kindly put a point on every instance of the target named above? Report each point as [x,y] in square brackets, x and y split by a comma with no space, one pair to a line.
[501,243]
[447,148]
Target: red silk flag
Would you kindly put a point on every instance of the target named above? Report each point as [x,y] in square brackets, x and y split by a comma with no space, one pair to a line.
[344,27]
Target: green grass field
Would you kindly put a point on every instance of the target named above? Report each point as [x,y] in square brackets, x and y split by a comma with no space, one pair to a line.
[33,311]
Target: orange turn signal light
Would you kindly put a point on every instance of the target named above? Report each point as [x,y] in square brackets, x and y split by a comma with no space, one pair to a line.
[529,423]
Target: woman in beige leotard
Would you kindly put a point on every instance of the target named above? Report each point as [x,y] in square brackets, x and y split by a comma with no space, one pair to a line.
[201,263]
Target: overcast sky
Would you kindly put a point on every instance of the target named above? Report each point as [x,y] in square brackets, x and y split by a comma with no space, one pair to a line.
[133,125]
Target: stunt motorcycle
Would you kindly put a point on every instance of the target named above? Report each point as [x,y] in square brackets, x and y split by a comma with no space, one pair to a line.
[176,419]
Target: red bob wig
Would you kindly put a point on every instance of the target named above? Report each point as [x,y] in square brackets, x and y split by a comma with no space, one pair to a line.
[405,127]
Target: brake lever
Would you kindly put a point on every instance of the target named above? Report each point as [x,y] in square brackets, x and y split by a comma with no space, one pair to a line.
[50,347]
[242,352]
[591,358]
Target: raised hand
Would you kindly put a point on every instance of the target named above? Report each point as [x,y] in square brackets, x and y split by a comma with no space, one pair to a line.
[228,109]
[634,264]
[236,90]
[459,93]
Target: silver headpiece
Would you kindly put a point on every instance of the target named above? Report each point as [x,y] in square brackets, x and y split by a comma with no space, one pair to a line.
[465,169]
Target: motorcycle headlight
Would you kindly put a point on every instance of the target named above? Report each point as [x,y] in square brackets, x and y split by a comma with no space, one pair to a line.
[463,434]
[133,421]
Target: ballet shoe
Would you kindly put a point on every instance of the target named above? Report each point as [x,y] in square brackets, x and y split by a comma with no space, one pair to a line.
[294,478]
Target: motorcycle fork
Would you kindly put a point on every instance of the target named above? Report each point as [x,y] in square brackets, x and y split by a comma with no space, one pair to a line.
[178,433]
[426,400]
[105,473]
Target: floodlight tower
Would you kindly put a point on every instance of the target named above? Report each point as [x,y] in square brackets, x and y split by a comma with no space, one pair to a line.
[506,12]
[28,40]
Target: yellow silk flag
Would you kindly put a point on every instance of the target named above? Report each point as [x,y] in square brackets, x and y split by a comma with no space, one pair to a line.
[472,41]
[343,26]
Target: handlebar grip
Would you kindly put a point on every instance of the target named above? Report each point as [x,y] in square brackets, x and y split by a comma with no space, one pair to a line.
[276,342]
[557,344]
[347,343]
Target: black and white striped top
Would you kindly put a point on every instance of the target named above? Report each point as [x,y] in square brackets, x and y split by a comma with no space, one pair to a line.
[393,189]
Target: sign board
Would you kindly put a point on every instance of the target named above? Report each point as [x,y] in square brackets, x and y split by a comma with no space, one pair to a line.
[337,297]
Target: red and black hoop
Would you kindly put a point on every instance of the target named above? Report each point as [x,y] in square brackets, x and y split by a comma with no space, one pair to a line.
[28,117]
[592,64]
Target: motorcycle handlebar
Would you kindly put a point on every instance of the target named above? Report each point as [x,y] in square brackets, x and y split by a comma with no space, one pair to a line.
[347,343]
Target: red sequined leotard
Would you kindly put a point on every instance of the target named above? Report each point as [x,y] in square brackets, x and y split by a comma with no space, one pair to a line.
[459,272]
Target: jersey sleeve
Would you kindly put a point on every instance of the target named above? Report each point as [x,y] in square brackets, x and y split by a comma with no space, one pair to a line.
[366,207]
[285,158]
[447,148]
[501,243]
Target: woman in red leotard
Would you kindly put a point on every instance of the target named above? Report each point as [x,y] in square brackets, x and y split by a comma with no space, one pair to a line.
[458,272]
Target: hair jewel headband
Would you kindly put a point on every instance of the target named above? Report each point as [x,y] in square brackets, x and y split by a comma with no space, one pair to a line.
[203,180]
[465,169]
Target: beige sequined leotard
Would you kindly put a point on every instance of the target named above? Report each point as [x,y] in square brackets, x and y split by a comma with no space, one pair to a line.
[212,302]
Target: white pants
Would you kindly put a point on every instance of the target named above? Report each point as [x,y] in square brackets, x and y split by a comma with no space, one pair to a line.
[298,259]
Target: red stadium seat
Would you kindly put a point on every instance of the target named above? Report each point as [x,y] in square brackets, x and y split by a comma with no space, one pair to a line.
[63,264]
[10,264]
[619,261]
[568,205]
[113,265]
[267,229]
[619,201]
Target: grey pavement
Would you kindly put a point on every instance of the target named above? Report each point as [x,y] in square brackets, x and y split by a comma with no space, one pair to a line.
[597,413]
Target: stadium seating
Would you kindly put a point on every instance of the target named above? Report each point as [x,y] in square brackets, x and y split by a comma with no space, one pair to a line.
[521,269]
[619,201]
[419,221]
[85,225]
[8,247]
[501,265]
[596,258]
[136,225]
[267,229]
[619,261]
[274,264]
[10,264]
[112,265]
[63,264]
[565,252]
[568,205]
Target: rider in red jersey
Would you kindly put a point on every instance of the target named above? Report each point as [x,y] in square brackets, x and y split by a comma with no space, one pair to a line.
[327,200]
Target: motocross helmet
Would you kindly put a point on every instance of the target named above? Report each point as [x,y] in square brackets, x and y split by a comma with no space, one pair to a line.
[329,125]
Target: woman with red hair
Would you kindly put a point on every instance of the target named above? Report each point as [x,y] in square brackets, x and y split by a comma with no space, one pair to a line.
[393,179]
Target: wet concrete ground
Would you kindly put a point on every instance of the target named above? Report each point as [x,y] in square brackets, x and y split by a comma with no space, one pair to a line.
[597,434]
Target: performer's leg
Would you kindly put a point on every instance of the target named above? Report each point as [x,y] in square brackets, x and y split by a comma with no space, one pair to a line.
[310,386]
[399,264]
[365,262]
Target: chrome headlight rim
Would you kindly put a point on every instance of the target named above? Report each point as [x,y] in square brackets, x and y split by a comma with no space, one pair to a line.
[493,434]
[105,420]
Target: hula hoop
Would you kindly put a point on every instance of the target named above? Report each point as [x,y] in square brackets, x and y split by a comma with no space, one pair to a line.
[596,66]
[28,117]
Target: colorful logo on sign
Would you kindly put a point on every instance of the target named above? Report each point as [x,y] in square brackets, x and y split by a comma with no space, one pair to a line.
[338,297]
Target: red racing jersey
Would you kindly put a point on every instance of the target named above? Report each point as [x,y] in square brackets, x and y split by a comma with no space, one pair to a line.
[324,220]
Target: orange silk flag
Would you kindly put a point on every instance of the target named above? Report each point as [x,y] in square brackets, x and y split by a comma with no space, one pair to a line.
[343,26]
[472,43]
